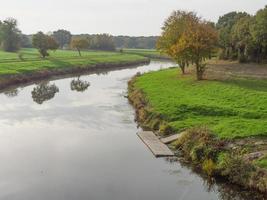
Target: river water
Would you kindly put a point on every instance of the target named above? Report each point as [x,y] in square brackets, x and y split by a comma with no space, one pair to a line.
[66,140]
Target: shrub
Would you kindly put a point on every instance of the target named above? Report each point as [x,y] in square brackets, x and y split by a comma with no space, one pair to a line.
[236,169]
[165,129]
[209,167]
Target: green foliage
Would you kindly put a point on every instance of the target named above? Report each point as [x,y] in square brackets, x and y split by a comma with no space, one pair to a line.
[26,41]
[44,43]
[10,35]
[103,42]
[165,129]
[209,167]
[62,37]
[79,44]
[188,39]
[237,170]
[135,42]
[243,37]
[262,162]
[234,108]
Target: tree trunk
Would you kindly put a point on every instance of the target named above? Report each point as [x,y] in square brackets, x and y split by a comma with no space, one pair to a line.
[182,66]
[199,71]
[79,52]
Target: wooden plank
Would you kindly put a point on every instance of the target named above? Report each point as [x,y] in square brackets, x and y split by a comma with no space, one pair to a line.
[158,148]
[171,138]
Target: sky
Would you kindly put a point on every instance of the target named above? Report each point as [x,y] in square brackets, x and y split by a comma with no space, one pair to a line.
[116,17]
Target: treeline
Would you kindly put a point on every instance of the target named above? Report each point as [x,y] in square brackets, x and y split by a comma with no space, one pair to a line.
[136,42]
[12,39]
[243,36]
[109,42]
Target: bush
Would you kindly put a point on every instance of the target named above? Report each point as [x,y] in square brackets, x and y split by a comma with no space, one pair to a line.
[165,129]
[209,167]
[236,169]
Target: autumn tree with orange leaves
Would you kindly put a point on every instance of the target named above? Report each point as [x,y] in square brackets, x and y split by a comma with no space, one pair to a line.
[188,39]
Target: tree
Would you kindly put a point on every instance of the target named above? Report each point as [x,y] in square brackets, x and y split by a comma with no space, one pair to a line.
[52,43]
[63,37]
[26,41]
[259,34]
[102,42]
[188,39]
[198,41]
[79,44]
[172,31]
[44,43]
[10,35]
[224,26]
[242,39]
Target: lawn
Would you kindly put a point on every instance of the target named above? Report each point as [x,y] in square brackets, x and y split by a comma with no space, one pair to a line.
[262,162]
[235,108]
[151,53]
[11,64]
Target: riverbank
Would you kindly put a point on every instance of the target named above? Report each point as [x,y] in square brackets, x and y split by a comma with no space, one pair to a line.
[223,122]
[30,67]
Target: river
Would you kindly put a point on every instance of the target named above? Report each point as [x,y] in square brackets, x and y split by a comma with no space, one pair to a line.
[65,140]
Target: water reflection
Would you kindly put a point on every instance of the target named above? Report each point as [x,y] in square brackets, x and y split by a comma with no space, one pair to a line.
[79,85]
[44,92]
[12,93]
[224,189]
[84,146]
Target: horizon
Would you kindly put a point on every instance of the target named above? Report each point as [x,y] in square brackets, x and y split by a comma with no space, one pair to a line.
[118,18]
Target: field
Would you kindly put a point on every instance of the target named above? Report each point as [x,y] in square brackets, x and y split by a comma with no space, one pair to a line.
[232,108]
[150,53]
[28,60]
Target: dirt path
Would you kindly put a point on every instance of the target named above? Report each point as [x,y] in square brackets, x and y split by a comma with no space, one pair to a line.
[218,69]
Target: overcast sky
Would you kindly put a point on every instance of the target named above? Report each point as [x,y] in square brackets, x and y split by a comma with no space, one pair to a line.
[117,17]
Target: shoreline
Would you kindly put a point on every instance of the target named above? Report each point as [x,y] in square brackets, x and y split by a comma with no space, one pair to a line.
[14,80]
[236,170]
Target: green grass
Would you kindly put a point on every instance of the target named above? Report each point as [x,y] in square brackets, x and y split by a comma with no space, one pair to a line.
[262,162]
[10,64]
[151,53]
[234,108]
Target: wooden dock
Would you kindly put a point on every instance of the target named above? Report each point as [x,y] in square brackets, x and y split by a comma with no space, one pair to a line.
[158,148]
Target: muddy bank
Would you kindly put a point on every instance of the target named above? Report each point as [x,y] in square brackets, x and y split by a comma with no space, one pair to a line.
[13,80]
[232,159]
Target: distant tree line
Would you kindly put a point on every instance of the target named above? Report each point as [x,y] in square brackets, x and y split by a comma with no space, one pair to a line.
[12,39]
[135,42]
[243,36]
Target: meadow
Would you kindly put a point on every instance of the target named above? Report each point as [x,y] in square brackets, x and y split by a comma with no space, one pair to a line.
[150,53]
[29,60]
[232,108]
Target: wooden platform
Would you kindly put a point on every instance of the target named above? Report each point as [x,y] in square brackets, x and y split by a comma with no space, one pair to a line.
[171,138]
[158,148]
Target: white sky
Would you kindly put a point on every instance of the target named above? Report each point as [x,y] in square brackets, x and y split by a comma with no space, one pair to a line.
[117,17]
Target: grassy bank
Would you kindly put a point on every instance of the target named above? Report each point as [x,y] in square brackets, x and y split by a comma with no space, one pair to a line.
[224,121]
[150,53]
[11,64]
[234,108]
[27,64]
